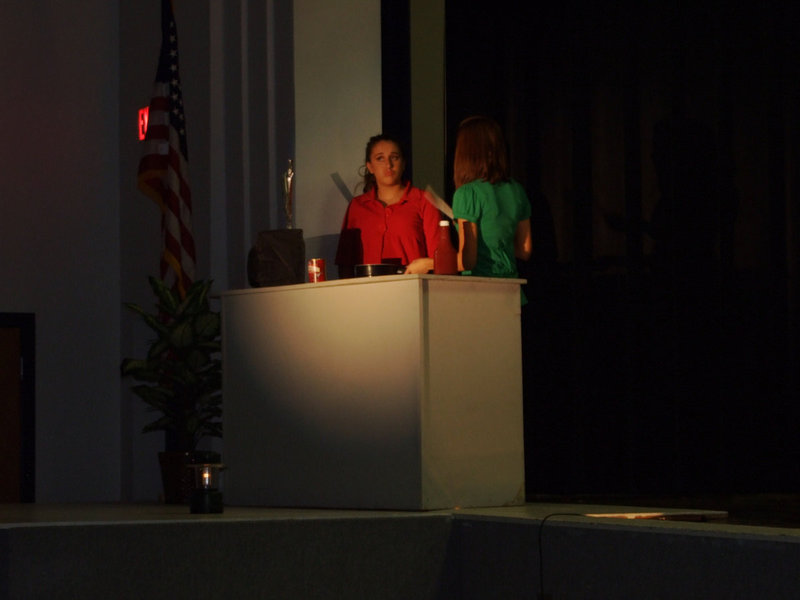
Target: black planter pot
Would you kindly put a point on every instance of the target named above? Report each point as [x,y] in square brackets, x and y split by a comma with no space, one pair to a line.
[176,477]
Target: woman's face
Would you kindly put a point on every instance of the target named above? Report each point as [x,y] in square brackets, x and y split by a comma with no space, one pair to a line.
[386,163]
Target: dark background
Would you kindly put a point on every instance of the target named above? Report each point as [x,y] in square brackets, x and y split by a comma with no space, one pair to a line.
[659,148]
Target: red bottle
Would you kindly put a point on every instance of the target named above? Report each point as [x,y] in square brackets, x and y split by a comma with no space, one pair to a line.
[445,258]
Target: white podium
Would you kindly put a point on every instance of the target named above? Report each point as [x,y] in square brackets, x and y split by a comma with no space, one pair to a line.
[394,392]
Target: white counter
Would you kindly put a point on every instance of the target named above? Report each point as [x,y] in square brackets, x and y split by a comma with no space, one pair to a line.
[394,392]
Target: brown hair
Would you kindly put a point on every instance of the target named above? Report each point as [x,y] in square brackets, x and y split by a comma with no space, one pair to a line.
[480,152]
[369,178]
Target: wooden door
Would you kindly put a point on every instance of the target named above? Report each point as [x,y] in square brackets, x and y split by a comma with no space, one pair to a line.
[16,408]
[10,416]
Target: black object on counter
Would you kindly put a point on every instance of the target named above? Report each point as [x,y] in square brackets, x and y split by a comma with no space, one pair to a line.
[278,258]
[374,270]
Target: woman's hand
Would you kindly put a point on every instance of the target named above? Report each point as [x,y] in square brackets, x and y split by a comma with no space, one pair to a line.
[419,266]
[523,243]
[467,245]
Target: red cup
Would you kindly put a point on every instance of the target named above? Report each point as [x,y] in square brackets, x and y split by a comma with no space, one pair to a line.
[316,270]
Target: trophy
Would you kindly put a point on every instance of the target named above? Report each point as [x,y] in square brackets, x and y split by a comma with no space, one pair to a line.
[278,256]
[288,193]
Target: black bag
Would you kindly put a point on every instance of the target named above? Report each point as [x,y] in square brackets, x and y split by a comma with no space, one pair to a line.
[278,258]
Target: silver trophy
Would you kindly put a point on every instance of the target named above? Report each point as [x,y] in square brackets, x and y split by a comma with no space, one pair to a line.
[288,193]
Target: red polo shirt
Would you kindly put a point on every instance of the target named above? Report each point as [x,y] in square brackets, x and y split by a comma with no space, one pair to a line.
[373,233]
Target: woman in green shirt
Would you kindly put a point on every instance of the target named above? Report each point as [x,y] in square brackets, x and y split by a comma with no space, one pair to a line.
[492,210]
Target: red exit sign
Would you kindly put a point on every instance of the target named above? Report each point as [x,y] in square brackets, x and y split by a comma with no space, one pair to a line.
[144,113]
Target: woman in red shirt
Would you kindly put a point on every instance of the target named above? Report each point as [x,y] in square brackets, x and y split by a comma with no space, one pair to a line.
[392,221]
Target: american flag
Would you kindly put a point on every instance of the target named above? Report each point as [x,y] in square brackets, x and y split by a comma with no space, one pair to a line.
[163,169]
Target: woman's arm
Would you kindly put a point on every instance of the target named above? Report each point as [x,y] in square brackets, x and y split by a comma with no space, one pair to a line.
[523,244]
[467,245]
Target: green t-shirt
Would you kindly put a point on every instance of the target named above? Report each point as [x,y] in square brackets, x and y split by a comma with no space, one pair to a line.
[496,209]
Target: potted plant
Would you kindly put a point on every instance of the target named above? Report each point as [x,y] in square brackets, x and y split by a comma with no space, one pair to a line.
[181,377]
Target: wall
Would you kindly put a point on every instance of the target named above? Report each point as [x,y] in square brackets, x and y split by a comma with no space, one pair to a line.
[427,94]
[76,237]
[202,72]
[337,108]
[59,225]
[245,85]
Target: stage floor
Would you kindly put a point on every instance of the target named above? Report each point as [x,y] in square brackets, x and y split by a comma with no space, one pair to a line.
[52,514]
[565,549]
[758,510]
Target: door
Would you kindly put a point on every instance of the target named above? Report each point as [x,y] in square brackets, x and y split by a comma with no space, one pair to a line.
[16,407]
